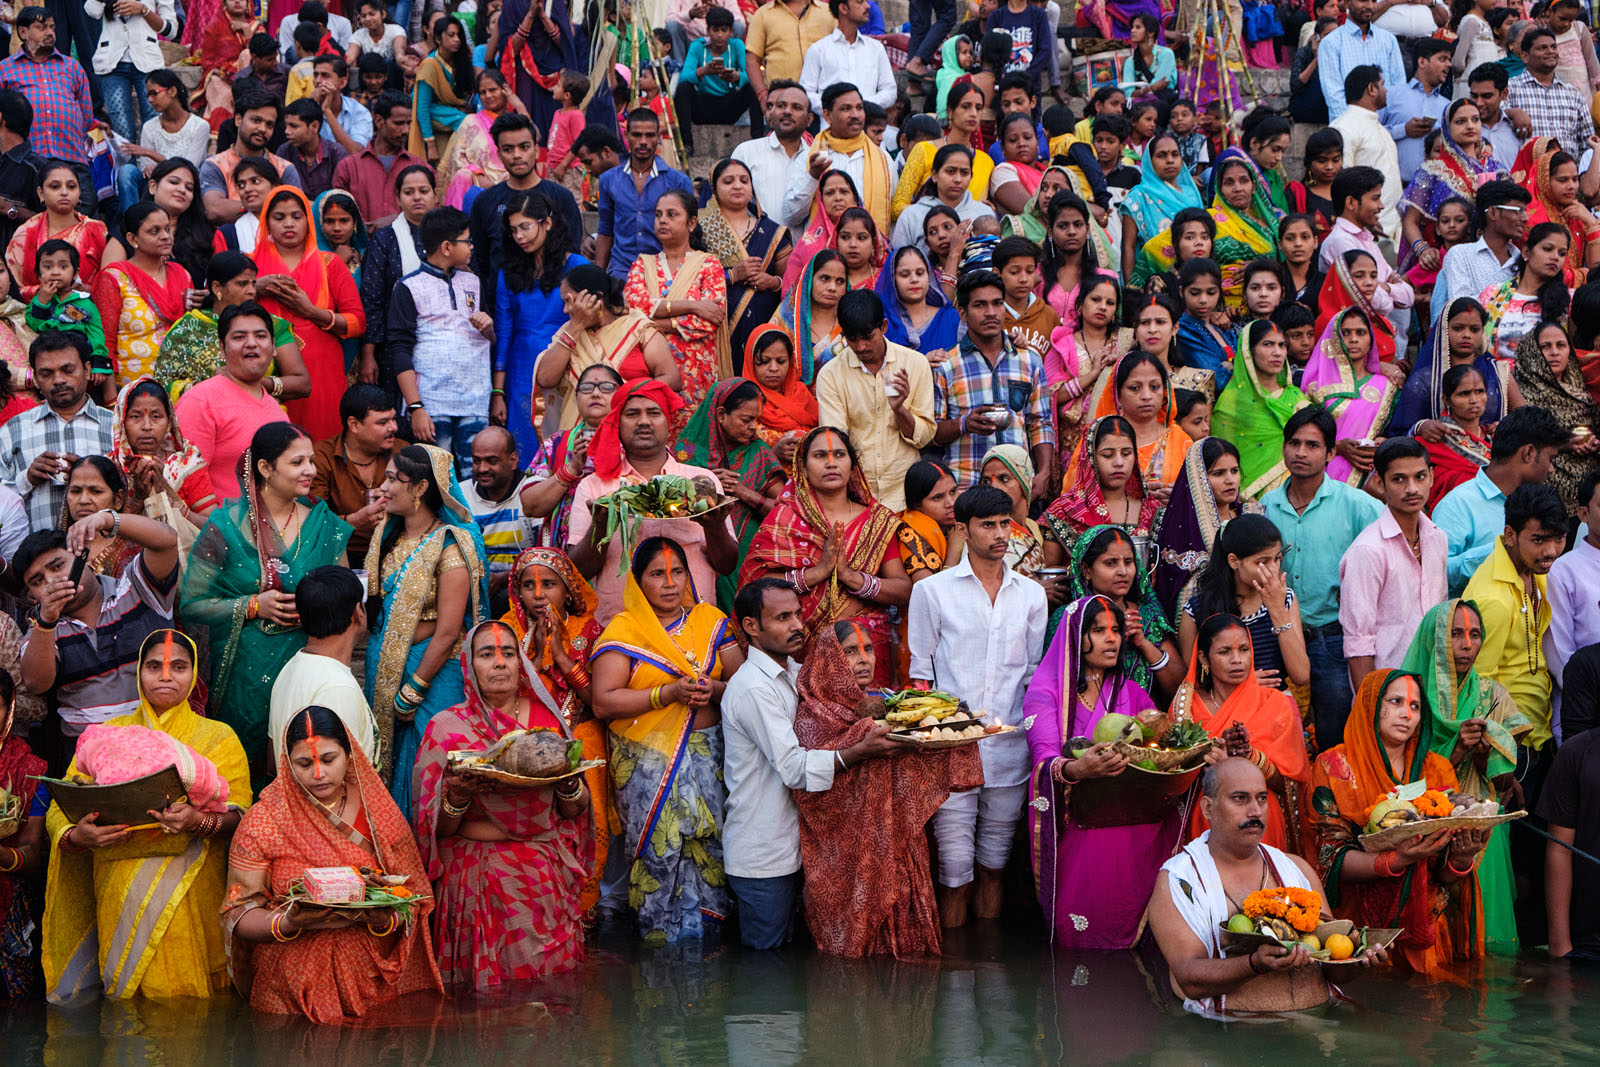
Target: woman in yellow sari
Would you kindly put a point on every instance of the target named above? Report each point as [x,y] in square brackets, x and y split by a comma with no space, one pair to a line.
[133,910]
[552,614]
[1247,223]
[659,669]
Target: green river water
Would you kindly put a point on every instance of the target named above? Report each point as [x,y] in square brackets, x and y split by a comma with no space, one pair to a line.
[999,997]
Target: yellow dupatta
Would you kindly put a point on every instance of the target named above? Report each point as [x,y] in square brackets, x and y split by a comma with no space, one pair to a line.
[876,191]
[659,658]
[142,916]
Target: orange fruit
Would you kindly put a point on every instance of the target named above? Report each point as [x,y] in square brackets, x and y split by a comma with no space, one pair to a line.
[1340,947]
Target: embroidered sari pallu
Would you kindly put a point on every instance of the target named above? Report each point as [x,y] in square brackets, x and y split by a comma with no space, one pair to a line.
[668,775]
[1360,399]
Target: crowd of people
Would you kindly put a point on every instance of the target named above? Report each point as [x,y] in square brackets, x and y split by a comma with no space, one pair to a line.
[319,376]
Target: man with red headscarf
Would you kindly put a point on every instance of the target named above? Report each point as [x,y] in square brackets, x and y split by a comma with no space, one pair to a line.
[631,446]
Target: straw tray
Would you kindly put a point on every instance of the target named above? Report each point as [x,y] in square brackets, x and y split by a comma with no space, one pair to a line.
[11,815]
[1167,760]
[472,763]
[1388,838]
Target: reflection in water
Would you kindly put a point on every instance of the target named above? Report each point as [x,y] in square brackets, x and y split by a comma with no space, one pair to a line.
[998,997]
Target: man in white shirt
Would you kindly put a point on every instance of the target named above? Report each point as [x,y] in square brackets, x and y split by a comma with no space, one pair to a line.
[976,631]
[1368,144]
[762,761]
[1469,269]
[848,55]
[779,158]
[844,118]
[879,393]
[329,600]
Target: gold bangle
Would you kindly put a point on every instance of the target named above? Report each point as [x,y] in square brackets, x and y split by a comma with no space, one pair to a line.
[655,699]
[451,810]
[394,921]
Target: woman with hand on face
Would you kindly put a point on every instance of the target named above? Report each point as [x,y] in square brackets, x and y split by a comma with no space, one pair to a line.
[659,671]
[685,293]
[1245,719]
[491,929]
[1092,884]
[242,573]
[326,809]
[1244,577]
[315,291]
[134,911]
[1426,886]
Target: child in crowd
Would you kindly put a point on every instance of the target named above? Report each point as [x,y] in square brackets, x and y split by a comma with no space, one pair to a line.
[1191,410]
[1107,101]
[1029,319]
[1191,142]
[372,73]
[59,305]
[1206,340]
[564,130]
[1299,326]
[1324,161]
[1452,227]
[1110,137]
[1297,251]
[1213,126]
[1142,126]
[1189,237]
[877,122]
[1263,284]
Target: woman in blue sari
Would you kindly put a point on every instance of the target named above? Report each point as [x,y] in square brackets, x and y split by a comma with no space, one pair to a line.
[1165,188]
[1457,338]
[735,229]
[919,315]
[427,584]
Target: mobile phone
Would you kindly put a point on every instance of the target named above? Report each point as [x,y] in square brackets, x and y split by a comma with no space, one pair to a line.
[78,563]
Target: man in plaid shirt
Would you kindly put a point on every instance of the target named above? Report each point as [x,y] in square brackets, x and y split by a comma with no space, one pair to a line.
[986,371]
[37,446]
[55,85]
[1555,108]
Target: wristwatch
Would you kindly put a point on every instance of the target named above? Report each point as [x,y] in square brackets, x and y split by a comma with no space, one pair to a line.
[11,212]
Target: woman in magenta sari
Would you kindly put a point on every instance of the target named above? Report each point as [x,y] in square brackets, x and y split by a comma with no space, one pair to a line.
[836,192]
[507,865]
[1346,378]
[1092,883]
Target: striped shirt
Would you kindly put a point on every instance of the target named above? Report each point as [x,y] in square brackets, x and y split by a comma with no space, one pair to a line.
[1555,110]
[97,667]
[506,530]
[40,429]
[58,89]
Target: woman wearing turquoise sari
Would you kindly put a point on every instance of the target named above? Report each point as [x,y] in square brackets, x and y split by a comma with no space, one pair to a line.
[1476,726]
[1165,188]
[243,570]
[427,584]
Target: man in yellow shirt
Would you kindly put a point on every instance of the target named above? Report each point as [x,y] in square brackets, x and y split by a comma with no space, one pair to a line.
[1509,589]
[879,393]
[777,37]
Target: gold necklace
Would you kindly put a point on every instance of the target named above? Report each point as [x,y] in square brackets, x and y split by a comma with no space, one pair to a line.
[339,804]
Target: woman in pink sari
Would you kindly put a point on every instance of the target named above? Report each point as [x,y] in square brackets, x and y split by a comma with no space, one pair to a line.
[507,864]
[1345,376]
[836,191]
[1092,883]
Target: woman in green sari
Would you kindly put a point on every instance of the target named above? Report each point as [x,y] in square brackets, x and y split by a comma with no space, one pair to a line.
[1476,726]
[1251,414]
[722,437]
[1031,222]
[243,571]
[428,584]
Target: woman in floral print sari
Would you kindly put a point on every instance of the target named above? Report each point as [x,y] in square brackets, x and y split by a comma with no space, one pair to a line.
[659,669]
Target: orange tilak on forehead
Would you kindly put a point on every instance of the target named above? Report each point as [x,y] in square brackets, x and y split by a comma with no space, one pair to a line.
[829,440]
[861,635]
[312,739]
[666,559]
[166,657]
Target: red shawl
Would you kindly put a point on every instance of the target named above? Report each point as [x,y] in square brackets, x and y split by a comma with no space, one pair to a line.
[1084,505]
[1456,460]
[792,407]
[605,449]
[869,888]
[1338,293]
[165,300]
[17,762]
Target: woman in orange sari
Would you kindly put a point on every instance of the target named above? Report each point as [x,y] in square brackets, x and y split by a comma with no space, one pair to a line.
[313,289]
[835,544]
[1248,719]
[552,614]
[1550,173]
[1138,388]
[329,810]
[788,408]
[1428,885]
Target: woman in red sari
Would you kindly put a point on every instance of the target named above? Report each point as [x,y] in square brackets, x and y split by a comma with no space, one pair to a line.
[139,298]
[329,810]
[552,614]
[23,853]
[313,289]
[869,887]
[1248,719]
[224,40]
[1107,487]
[1355,285]
[1547,170]
[1428,885]
[1464,449]
[507,864]
[835,544]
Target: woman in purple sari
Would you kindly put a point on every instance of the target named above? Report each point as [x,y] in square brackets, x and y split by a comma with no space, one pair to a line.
[1092,883]
[1345,376]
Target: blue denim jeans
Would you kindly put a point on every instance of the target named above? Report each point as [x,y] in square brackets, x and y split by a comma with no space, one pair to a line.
[931,22]
[1330,683]
[766,908]
[454,434]
[131,184]
[124,96]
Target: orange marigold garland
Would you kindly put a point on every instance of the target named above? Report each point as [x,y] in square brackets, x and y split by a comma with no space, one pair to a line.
[1433,805]
[1300,908]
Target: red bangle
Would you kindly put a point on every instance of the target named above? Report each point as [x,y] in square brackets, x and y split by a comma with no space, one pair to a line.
[1383,864]
[1448,862]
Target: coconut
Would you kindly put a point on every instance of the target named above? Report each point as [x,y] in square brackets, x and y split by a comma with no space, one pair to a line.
[1115,727]
[541,754]
[1387,807]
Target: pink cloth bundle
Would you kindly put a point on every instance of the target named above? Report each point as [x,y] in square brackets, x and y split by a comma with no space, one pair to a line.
[113,754]
[334,885]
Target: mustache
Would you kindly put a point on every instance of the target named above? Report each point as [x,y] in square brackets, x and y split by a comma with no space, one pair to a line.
[1253,824]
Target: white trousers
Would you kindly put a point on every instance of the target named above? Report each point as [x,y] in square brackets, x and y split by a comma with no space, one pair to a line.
[977,825]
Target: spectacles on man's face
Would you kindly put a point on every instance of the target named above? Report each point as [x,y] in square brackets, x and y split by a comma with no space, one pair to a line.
[1511,209]
[606,388]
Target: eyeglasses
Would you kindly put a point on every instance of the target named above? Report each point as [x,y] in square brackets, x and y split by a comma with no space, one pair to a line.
[1511,209]
[607,388]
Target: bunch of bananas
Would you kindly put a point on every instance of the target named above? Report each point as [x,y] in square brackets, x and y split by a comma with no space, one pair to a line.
[913,706]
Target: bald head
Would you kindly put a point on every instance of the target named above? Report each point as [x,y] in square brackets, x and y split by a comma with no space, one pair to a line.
[1236,801]
[494,462]
[1235,772]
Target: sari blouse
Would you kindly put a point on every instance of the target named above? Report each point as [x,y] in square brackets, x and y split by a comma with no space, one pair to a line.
[329,976]
[1359,398]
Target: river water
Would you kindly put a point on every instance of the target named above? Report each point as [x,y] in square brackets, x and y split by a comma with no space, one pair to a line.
[998,997]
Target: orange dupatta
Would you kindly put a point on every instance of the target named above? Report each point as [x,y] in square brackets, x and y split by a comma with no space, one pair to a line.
[1277,740]
[790,408]
[1162,459]
[311,273]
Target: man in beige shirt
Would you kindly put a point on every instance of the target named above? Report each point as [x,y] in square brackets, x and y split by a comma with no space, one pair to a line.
[881,394]
[777,37]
